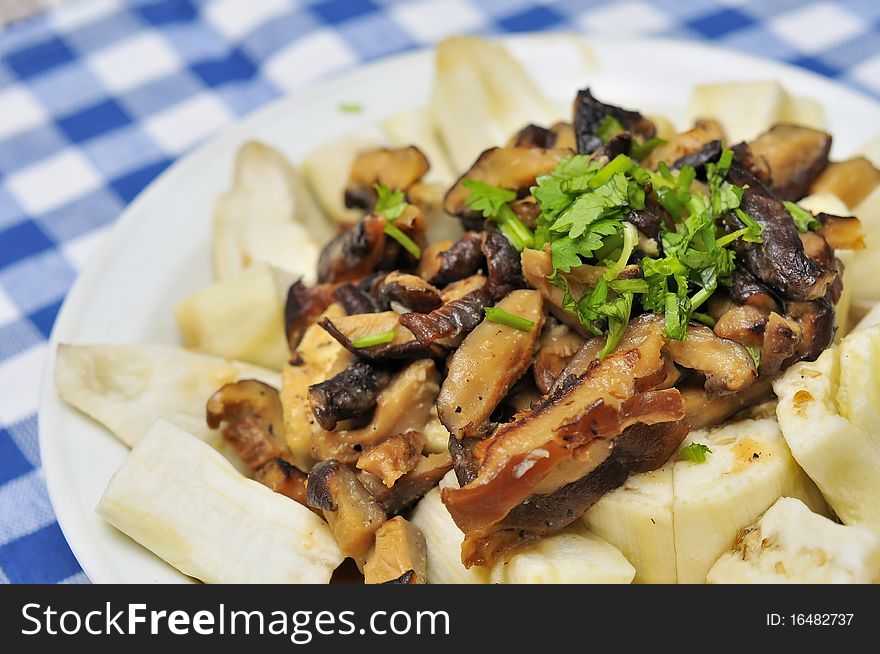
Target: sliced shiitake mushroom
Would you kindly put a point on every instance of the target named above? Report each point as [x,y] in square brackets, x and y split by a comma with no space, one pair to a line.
[397,168]
[353,514]
[682,148]
[408,291]
[589,115]
[558,344]
[400,555]
[412,486]
[795,154]
[394,457]
[252,420]
[349,394]
[283,477]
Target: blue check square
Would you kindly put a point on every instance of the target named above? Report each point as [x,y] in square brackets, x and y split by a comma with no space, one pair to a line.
[94,121]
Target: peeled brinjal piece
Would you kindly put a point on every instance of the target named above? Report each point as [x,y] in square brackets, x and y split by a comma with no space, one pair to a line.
[779,259]
[589,114]
[350,394]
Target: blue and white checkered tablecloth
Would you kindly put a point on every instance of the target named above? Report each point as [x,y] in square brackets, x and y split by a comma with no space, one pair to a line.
[99,96]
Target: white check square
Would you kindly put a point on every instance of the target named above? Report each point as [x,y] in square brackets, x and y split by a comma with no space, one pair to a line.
[19,111]
[429,21]
[185,124]
[234,18]
[134,62]
[308,59]
[816,27]
[52,182]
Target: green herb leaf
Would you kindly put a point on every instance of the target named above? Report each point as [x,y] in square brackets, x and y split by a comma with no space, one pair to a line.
[492,202]
[379,338]
[390,204]
[609,127]
[803,219]
[695,452]
[502,317]
[405,241]
[640,151]
[350,107]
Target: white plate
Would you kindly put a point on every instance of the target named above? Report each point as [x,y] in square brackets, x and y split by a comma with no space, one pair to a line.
[158,252]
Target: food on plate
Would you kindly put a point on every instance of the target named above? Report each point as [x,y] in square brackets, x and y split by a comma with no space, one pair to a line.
[127,387]
[238,317]
[829,412]
[180,499]
[527,347]
[791,544]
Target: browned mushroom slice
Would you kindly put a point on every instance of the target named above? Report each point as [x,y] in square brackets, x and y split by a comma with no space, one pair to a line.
[527,210]
[354,299]
[817,249]
[532,136]
[409,291]
[728,366]
[567,430]
[400,555]
[743,324]
[351,393]
[842,232]
[686,144]
[412,486]
[851,180]
[557,346]
[252,420]
[448,325]
[487,364]
[747,290]
[304,305]
[781,338]
[537,265]
[461,260]
[795,154]
[589,114]
[364,248]
[640,448]
[816,320]
[503,268]
[512,168]
[778,260]
[285,478]
[432,259]
[397,168]
[618,144]
[404,405]
[702,412]
[347,329]
[352,513]
[457,290]
[394,457]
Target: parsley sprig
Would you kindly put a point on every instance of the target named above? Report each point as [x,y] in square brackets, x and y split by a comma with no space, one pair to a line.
[392,204]
[494,202]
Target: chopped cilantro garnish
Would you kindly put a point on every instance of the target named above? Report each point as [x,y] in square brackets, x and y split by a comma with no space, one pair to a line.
[350,107]
[583,218]
[379,338]
[502,317]
[609,127]
[493,202]
[392,204]
[803,219]
[695,452]
[640,151]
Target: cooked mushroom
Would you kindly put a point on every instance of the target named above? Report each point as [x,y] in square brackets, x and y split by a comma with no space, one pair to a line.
[532,136]
[816,320]
[412,486]
[352,513]
[568,435]
[394,457]
[252,420]
[795,154]
[527,210]
[589,114]
[512,168]
[347,329]
[354,299]
[728,366]
[448,325]
[503,268]
[778,260]
[397,168]
[408,291]
[461,260]
[537,265]
[404,405]
[487,364]
[693,147]
[557,346]
[746,289]
[842,232]
[304,305]
[432,259]
[851,180]
[283,477]
[400,555]
[351,393]
[565,138]
[618,144]
[744,324]
[781,338]
[364,248]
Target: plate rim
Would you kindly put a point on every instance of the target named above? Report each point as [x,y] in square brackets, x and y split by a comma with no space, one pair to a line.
[57,482]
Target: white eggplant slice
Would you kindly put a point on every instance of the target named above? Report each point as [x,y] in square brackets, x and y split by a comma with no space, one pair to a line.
[240,317]
[127,387]
[185,503]
[269,215]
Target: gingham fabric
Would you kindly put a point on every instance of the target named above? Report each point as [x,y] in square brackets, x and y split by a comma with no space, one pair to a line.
[100,96]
